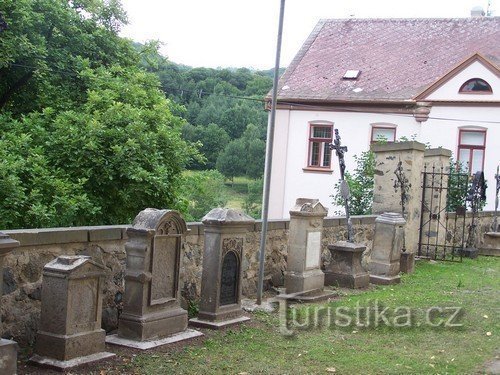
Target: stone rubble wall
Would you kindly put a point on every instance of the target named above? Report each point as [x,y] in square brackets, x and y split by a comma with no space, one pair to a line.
[20,308]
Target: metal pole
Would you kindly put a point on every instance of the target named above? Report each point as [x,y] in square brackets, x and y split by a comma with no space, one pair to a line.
[269,159]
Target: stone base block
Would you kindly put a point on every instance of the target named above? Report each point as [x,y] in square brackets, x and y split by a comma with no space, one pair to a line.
[297,282]
[65,365]
[68,347]
[154,326]
[407,262]
[470,252]
[491,245]
[222,313]
[144,345]
[384,280]
[315,295]
[8,357]
[196,322]
[347,281]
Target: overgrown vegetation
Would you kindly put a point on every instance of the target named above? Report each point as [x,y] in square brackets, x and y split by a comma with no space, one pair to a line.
[95,128]
[360,185]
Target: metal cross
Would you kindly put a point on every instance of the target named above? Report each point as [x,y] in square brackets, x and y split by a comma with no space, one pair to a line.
[344,186]
[401,182]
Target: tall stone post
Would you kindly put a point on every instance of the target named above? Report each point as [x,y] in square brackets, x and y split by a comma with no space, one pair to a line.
[387,199]
[8,348]
[152,315]
[70,331]
[304,279]
[225,232]
[386,252]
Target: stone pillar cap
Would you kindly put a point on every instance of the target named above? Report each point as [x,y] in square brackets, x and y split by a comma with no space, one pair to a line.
[390,218]
[7,244]
[227,216]
[308,207]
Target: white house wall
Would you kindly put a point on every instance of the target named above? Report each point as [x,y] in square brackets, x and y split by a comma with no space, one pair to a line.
[449,90]
[290,181]
[444,133]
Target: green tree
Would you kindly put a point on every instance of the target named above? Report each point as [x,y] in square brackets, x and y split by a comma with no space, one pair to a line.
[213,139]
[360,185]
[232,161]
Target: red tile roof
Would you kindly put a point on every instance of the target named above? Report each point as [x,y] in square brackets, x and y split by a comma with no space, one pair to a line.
[398,58]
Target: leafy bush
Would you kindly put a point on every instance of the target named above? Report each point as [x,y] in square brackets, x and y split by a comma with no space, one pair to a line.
[253,200]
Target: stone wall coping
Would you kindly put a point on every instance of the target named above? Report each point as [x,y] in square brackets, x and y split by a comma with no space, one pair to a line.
[437,152]
[50,236]
[397,146]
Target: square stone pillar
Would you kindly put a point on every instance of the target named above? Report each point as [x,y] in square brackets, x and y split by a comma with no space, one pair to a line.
[8,348]
[386,252]
[152,315]
[70,331]
[386,199]
[225,240]
[345,269]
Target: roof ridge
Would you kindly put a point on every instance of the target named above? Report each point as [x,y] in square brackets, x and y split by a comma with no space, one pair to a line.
[382,19]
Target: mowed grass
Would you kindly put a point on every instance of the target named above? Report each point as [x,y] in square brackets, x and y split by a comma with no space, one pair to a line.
[236,192]
[473,285]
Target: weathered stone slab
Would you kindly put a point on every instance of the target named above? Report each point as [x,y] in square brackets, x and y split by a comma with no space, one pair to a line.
[145,345]
[491,244]
[55,364]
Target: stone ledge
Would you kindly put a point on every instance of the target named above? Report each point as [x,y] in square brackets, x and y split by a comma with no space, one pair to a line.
[397,146]
[437,152]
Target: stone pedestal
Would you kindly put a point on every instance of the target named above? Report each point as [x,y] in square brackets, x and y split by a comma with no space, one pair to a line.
[407,262]
[386,252]
[304,279]
[491,244]
[225,231]
[8,348]
[152,315]
[70,331]
[345,269]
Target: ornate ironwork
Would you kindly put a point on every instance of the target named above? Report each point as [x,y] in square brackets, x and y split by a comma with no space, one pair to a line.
[344,186]
[475,197]
[401,182]
[495,219]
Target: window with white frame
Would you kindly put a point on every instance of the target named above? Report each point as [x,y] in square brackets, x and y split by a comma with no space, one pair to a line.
[320,137]
[383,132]
[471,149]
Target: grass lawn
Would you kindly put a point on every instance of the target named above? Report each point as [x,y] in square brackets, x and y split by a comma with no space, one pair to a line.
[236,191]
[473,285]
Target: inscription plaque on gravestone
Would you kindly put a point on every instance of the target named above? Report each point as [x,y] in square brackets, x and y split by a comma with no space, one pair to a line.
[313,248]
[229,279]
[164,280]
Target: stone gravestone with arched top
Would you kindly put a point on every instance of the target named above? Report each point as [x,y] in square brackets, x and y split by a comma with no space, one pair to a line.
[152,314]
[220,305]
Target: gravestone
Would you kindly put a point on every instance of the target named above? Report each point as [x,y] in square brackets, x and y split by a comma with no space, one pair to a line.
[8,348]
[152,315]
[345,269]
[304,279]
[225,231]
[70,331]
[386,251]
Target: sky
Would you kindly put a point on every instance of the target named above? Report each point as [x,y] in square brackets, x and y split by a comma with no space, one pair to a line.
[237,33]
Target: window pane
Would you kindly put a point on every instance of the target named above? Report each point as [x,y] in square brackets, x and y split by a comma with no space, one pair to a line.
[315,153]
[472,138]
[322,132]
[477,161]
[379,134]
[476,85]
[463,156]
[327,155]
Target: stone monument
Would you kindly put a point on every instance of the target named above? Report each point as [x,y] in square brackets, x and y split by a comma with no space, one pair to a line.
[345,268]
[8,348]
[152,315]
[70,331]
[386,252]
[304,279]
[225,231]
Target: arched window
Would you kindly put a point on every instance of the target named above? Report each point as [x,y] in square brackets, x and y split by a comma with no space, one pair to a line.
[476,86]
